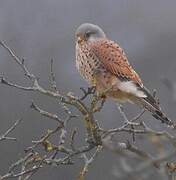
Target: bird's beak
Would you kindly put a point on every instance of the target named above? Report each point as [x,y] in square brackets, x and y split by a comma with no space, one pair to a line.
[80,39]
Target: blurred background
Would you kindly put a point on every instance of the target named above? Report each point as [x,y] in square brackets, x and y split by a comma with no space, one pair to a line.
[38,30]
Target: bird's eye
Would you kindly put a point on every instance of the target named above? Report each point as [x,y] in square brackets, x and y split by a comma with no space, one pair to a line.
[87,34]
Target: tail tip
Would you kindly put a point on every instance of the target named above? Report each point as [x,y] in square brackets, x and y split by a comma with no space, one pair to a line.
[164,119]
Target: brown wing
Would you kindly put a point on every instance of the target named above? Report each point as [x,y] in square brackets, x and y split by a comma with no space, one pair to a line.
[115,60]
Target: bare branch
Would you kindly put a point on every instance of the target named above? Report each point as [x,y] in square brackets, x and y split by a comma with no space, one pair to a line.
[89,91]
[5,136]
[52,77]
[95,140]
[47,114]
[88,162]
[142,167]
[17,60]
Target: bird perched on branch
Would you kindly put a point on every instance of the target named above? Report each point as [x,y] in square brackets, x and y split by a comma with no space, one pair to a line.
[103,64]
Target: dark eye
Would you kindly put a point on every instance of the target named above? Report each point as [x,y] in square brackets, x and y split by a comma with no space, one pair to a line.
[87,34]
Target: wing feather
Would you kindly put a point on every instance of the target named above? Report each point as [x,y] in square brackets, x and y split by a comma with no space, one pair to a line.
[114,59]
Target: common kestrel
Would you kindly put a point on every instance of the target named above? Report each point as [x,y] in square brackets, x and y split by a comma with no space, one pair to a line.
[103,64]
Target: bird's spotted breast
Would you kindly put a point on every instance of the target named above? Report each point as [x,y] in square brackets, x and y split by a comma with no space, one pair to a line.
[86,62]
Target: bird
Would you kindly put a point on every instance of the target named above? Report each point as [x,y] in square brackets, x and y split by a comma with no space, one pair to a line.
[105,66]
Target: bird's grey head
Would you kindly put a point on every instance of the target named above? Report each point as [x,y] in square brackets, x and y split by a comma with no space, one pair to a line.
[89,32]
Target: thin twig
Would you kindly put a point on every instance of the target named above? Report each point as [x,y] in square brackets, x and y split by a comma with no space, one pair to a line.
[17,60]
[88,162]
[47,114]
[52,77]
[5,136]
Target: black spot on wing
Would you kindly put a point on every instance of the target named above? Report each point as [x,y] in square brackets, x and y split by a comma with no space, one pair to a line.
[123,78]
